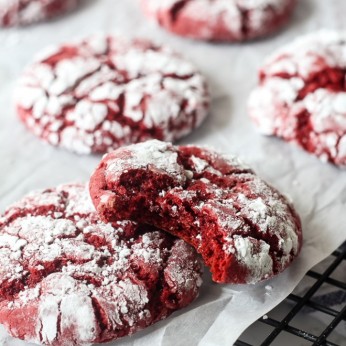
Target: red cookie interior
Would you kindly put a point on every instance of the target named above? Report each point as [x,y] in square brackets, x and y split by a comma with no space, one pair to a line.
[245,230]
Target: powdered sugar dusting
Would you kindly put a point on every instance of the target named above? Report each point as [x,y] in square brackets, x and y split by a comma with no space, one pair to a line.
[255,256]
[232,20]
[71,270]
[23,12]
[221,207]
[103,92]
[268,214]
[316,118]
[259,210]
[141,156]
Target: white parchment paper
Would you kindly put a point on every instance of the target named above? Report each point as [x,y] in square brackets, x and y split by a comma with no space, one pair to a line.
[318,190]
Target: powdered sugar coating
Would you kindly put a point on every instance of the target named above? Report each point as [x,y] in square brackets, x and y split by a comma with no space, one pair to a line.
[24,12]
[245,230]
[226,20]
[77,281]
[103,92]
[302,95]
[137,157]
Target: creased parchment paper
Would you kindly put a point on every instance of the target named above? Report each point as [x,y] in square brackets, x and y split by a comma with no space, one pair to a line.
[318,190]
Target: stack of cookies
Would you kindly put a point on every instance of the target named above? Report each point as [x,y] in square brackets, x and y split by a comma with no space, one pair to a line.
[92,262]
[84,268]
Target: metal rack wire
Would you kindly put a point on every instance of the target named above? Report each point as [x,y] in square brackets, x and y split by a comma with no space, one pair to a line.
[278,326]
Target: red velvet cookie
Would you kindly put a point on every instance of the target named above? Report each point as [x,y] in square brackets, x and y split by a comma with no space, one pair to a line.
[301,96]
[245,230]
[68,279]
[104,92]
[220,20]
[24,12]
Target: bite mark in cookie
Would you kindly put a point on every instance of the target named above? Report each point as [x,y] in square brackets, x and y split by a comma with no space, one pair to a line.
[245,229]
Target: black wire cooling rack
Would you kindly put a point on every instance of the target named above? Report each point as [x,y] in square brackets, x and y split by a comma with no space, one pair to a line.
[309,303]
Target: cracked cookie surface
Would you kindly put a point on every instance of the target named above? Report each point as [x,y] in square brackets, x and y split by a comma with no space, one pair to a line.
[75,280]
[301,96]
[245,230]
[95,95]
[220,20]
[25,12]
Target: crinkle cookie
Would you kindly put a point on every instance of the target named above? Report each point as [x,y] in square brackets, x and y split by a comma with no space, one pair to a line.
[301,96]
[245,230]
[95,95]
[220,20]
[24,12]
[67,279]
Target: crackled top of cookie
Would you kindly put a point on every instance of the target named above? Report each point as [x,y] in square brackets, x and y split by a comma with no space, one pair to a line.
[302,95]
[245,230]
[78,280]
[235,19]
[24,12]
[103,92]
[219,5]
